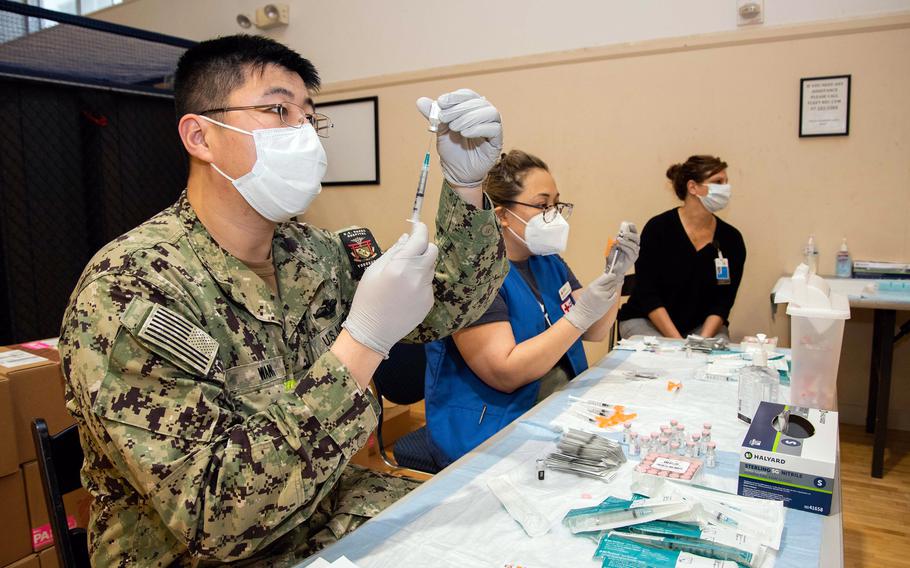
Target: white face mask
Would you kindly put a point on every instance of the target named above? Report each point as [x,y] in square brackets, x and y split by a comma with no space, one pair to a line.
[544,238]
[287,175]
[717,198]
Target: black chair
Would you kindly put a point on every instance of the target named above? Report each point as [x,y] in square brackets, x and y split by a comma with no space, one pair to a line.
[400,379]
[60,461]
[628,284]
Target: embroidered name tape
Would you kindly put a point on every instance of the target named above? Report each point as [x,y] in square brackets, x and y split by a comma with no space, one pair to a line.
[252,376]
[361,248]
[175,334]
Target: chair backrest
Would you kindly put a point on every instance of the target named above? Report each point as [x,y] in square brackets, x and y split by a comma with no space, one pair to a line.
[628,284]
[400,378]
[60,462]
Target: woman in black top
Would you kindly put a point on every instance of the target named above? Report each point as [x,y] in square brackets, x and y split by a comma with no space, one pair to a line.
[691,262]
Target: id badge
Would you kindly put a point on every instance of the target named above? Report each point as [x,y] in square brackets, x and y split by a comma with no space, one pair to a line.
[722,270]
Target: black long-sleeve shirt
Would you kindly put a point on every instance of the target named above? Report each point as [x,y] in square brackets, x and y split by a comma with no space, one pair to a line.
[670,273]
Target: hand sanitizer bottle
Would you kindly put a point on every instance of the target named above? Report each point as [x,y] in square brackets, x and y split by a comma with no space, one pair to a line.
[844,265]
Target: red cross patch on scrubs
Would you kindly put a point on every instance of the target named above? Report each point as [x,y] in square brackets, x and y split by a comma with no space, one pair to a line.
[565,297]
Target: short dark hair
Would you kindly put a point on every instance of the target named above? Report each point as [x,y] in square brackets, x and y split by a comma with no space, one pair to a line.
[697,169]
[505,180]
[209,71]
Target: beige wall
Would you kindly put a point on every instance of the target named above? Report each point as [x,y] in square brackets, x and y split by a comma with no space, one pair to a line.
[610,121]
[351,39]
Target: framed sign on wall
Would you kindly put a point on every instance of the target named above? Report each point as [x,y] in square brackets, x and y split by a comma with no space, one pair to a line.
[352,147]
[824,106]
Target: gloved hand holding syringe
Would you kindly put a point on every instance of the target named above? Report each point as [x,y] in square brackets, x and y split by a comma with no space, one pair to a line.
[422,181]
[622,253]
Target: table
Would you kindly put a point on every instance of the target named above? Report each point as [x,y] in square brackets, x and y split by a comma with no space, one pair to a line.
[433,521]
[885,306]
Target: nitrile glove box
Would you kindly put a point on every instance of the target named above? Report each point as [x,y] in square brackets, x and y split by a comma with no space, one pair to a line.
[796,466]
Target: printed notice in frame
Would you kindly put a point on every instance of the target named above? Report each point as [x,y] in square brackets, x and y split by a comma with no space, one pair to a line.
[824,106]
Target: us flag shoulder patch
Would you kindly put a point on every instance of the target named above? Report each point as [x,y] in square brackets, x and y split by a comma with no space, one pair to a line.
[175,334]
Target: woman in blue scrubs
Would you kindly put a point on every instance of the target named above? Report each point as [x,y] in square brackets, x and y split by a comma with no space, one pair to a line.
[528,344]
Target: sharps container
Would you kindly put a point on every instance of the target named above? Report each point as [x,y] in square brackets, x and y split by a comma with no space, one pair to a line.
[817,318]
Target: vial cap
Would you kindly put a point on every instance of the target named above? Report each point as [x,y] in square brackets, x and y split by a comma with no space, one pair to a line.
[434,117]
[712,445]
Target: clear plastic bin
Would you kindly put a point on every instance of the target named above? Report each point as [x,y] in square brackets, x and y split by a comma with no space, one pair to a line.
[815,340]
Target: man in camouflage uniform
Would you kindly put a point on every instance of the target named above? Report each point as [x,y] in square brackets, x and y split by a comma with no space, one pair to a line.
[220,400]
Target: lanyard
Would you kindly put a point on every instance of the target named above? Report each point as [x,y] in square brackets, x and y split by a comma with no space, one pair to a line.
[546,316]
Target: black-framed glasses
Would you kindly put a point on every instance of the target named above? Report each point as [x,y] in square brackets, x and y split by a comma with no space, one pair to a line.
[549,211]
[290,114]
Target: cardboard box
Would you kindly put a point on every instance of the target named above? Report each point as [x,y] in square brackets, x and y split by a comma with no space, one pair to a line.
[9,449]
[36,388]
[48,558]
[30,561]
[796,465]
[77,503]
[15,537]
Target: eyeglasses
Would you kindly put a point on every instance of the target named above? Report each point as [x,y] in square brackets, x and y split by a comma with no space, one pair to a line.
[291,114]
[549,211]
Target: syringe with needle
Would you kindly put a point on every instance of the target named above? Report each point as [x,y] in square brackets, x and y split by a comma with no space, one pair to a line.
[425,169]
[624,227]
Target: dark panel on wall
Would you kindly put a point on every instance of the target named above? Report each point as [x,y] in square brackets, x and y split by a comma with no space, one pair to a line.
[78,167]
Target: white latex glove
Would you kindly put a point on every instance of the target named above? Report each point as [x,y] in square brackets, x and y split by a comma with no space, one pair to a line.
[395,293]
[469,139]
[626,248]
[595,300]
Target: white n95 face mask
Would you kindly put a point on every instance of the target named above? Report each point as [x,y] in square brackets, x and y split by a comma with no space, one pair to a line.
[718,197]
[544,238]
[287,175]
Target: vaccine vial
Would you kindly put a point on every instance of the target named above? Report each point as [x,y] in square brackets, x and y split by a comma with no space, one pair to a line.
[654,444]
[711,455]
[635,446]
[690,449]
[664,444]
[674,448]
[626,433]
[705,438]
[540,469]
[680,434]
[696,441]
